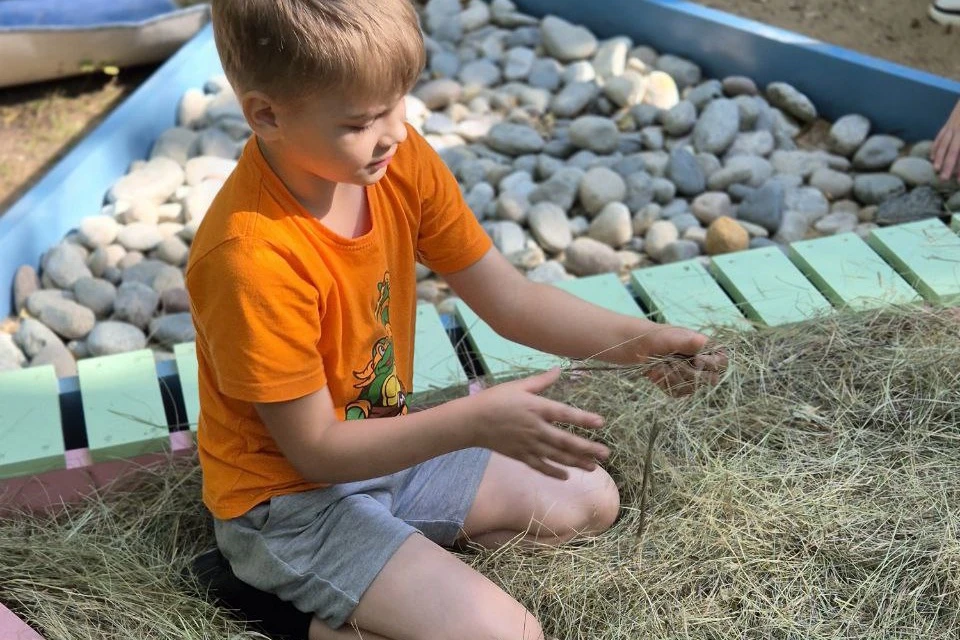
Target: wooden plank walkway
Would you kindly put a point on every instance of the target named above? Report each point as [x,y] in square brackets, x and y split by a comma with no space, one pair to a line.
[31,438]
[927,255]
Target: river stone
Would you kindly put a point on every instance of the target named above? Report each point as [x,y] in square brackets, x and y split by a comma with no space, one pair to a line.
[679,251]
[953,204]
[794,227]
[833,184]
[601,186]
[612,225]
[11,357]
[751,109]
[752,143]
[611,58]
[717,127]
[507,236]
[681,119]
[877,153]
[709,163]
[565,41]
[111,337]
[652,138]
[660,234]
[704,93]
[135,303]
[587,257]
[66,318]
[547,273]
[626,90]
[33,335]
[561,189]
[579,225]
[38,300]
[662,93]
[919,204]
[518,63]
[799,163]
[200,198]
[789,99]
[25,283]
[445,64]
[848,133]
[685,73]
[724,235]
[808,200]
[686,173]
[722,180]
[96,294]
[192,108]
[479,73]
[739,86]
[64,265]
[837,222]
[874,188]
[708,207]
[664,191]
[597,134]
[175,301]
[549,226]
[439,93]
[764,206]
[644,219]
[914,171]
[217,143]
[173,251]
[139,236]
[203,168]
[172,329]
[168,278]
[98,231]
[155,180]
[574,98]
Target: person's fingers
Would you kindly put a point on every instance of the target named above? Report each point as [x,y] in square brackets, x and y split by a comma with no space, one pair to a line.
[553,411]
[540,382]
[574,444]
[538,464]
[950,162]
[567,459]
[942,147]
[937,142]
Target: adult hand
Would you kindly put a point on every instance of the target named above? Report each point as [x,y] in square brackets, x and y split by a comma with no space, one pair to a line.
[945,152]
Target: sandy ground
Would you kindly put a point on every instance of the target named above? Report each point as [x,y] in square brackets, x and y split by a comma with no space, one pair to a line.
[40,123]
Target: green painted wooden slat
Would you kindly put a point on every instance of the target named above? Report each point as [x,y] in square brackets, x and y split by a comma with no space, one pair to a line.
[122,405]
[850,274]
[31,437]
[685,295]
[436,366]
[927,255]
[502,358]
[186,355]
[768,287]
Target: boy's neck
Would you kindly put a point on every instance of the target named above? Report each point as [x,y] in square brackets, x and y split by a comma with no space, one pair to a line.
[316,195]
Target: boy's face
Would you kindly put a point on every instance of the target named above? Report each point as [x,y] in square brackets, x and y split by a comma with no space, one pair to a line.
[332,137]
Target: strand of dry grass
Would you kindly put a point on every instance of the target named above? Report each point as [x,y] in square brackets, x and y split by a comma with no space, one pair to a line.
[812,494]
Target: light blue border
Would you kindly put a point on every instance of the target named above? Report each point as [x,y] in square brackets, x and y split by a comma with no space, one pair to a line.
[76,186]
[900,100]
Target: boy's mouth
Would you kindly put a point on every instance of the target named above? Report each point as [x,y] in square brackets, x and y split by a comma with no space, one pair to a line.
[380,164]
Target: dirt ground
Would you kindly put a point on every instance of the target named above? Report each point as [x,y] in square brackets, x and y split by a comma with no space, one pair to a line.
[40,123]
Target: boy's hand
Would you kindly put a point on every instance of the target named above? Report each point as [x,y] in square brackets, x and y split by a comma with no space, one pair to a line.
[683,363]
[512,419]
[945,152]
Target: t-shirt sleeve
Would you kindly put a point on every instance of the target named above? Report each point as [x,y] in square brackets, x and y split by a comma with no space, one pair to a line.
[259,320]
[450,237]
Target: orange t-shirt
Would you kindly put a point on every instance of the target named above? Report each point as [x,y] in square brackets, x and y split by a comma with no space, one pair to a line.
[284,306]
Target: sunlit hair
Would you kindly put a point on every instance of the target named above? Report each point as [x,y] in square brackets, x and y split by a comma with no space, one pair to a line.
[289,49]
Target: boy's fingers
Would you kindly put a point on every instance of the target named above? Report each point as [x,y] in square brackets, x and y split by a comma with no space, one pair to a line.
[950,163]
[580,447]
[553,411]
[538,464]
[941,148]
[568,459]
[541,381]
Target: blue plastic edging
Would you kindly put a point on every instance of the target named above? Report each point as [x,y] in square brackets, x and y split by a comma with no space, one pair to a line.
[898,100]
[76,186]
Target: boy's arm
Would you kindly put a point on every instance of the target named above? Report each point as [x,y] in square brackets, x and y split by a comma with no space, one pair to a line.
[510,418]
[549,319]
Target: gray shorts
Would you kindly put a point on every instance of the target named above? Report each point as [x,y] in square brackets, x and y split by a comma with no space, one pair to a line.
[321,550]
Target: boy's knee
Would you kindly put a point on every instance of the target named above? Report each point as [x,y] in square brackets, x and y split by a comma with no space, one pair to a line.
[511,623]
[602,506]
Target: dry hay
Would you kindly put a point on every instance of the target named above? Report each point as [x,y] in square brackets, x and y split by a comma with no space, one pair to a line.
[812,494]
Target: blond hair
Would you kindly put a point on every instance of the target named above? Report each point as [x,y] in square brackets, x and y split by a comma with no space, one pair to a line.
[288,49]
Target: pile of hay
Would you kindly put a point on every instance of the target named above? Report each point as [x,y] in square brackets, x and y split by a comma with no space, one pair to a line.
[815,493]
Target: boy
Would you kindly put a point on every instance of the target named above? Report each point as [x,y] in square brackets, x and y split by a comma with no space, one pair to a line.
[302,278]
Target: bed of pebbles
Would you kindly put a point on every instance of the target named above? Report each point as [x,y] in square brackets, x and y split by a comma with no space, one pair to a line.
[580,157]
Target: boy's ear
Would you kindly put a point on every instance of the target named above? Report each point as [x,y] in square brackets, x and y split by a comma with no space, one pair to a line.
[261,115]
